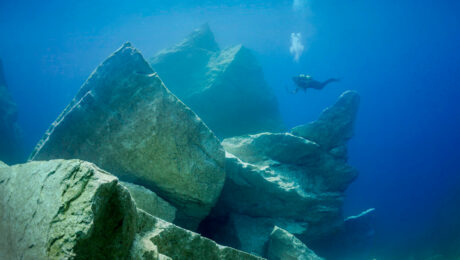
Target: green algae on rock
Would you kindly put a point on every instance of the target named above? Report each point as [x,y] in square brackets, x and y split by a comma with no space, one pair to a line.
[64,210]
[127,122]
[226,88]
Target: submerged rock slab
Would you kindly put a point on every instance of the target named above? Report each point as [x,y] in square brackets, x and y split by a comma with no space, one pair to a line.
[335,125]
[125,120]
[226,88]
[285,246]
[64,210]
[177,243]
[10,138]
[150,202]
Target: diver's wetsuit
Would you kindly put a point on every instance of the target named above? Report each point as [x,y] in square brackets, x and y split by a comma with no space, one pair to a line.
[306,81]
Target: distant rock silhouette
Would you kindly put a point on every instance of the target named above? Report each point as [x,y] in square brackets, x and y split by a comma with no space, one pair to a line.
[226,88]
[10,136]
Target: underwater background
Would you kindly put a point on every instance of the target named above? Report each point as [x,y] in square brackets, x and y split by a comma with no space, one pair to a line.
[401,56]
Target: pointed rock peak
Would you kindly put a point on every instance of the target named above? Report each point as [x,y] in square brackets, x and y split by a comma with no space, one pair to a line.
[126,57]
[127,45]
[335,125]
[202,38]
[349,100]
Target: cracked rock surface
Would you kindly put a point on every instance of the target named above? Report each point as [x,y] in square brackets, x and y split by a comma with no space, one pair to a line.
[127,122]
[64,210]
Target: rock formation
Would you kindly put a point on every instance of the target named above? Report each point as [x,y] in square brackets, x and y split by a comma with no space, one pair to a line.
[177,243]
[10,143]
[335,125]
[285,246]
[64,210]
[71,209]
[284,180]
[150,202]
[127,122]
[226,88]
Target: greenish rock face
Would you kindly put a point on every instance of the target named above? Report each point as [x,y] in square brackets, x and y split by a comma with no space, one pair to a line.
[177,243]
[127,122]
[150,202]
[285,246]
[10,140]
[64,210]
[226,88]
[334,126]
[286,180]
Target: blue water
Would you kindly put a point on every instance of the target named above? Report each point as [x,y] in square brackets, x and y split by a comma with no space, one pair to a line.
[401,56]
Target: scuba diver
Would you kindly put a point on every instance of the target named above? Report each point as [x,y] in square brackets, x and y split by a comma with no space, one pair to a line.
[306,81]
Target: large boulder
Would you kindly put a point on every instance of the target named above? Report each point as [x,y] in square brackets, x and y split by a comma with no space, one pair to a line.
[10,137]
[64,210]
[279,179]
[285,246]
[127,122]
[226,88]
[155,236]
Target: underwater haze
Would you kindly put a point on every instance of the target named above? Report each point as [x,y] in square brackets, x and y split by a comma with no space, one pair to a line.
[402,57]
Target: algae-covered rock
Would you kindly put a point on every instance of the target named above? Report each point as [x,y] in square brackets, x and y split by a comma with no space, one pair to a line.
[285,246]
[178,243]
[335,126]
[64,210]
[10,137]
[226,88]
[149,201]
[127,122]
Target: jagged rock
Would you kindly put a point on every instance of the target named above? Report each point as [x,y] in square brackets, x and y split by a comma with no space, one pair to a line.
[252,233]
[64,210]
[125,120]
[177,243]
[335,126]
[10,137]
[279,179]
[285,246]
[275,172]
[149,201]
[225,88]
